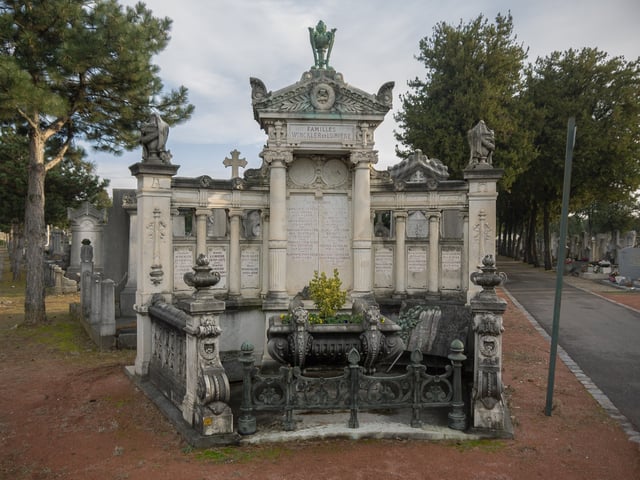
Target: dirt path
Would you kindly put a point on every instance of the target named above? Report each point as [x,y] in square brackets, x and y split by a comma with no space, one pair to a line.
[68,411]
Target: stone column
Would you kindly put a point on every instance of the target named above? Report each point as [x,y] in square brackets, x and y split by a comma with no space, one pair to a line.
[235,215]
[434,252]
[277,159]
[400,259]
[482,216]
[128,294]
[154,256]
[264,264]
[86,275]
[464,218]
[361,208]
[202,214]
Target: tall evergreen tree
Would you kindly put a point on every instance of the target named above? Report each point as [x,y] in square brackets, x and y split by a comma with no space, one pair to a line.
[77,69]
[603,94]
[66,186]
[473,72]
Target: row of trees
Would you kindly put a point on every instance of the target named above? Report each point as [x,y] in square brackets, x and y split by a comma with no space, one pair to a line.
[71,70]
[478,70]
[82,69]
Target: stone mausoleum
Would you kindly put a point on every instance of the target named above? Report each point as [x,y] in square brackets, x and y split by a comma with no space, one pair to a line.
[317,203]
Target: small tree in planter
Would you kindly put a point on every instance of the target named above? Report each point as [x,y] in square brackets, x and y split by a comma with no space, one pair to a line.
[326,293]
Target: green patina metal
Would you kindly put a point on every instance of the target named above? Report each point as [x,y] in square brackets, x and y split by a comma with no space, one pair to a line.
[353,390]
[321,44]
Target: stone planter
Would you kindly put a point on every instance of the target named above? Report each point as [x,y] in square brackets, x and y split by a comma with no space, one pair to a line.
[309,345]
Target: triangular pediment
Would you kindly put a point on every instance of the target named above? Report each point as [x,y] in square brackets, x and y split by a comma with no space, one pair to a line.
[321,94]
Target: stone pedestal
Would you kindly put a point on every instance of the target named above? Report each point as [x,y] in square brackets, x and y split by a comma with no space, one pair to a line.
[482,216]
[154,265]
[207,391]
[488,407]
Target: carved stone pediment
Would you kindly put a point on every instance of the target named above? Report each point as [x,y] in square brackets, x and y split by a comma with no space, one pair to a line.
[319,92]
[418,169]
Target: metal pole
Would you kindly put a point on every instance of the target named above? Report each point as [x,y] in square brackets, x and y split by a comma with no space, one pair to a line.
[562,246]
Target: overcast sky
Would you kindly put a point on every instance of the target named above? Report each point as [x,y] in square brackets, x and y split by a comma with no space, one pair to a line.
[217,45]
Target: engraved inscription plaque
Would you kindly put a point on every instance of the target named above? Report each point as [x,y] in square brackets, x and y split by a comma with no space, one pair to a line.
[183,262]
[383,277]
[218,263]
[451,271]
[323,133]
[250,267]
[319,238]
[416,267]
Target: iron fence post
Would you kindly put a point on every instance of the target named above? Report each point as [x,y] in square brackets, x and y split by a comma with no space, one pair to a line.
[288,375]
[457,417]
[247,421]
[416,369]
[354,386]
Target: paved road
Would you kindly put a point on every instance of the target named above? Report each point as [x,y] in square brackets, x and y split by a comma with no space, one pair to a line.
[601,337]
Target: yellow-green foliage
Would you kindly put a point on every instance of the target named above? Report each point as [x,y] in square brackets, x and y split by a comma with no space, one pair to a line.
[326,293]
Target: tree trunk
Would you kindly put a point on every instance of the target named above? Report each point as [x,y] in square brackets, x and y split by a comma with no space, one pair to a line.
[34,308]
[518,247]
[16,255]
[531,250]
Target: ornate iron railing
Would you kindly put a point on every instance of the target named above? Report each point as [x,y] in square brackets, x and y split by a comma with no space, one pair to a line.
[353,390]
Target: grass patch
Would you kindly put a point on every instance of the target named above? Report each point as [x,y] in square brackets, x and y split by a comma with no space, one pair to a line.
[225,455]
[485,445]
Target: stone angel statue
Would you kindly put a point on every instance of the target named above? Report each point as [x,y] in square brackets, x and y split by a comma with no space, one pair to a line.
[482,144]
[153,138]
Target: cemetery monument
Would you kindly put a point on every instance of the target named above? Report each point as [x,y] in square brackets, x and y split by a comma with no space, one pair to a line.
[401,238]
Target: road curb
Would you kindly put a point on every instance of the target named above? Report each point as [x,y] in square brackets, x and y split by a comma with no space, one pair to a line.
[605,403]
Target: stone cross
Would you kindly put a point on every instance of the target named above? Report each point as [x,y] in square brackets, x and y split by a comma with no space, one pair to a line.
[234,162]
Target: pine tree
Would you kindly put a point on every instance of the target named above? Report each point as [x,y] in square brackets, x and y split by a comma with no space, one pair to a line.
[75,69]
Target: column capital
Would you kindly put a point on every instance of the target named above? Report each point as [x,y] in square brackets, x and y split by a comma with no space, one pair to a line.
[400,215]
[364,157]
[235,212]
[274,155]
[203,212]
[434,214]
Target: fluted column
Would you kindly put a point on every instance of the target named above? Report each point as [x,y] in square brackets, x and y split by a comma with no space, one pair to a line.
[362,271]
[201,230]
[235,214]
[265,254]
[400,262]
[434,249]
[278,160]
[464,218]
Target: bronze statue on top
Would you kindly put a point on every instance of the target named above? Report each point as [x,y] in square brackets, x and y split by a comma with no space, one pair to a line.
[321,44]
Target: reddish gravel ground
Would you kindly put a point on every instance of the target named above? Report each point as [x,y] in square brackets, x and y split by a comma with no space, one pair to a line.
[68,411]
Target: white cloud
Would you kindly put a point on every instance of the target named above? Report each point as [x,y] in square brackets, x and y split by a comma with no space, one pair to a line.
[217,45]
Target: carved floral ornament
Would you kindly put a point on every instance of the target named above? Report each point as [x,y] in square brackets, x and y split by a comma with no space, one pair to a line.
[364,156]
[270,155]
[324,94]
[488,324]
